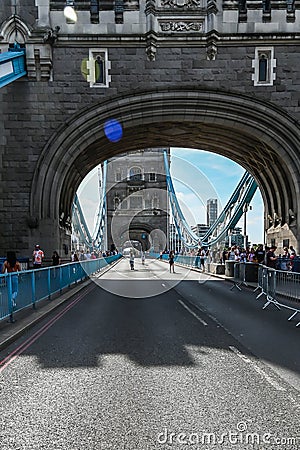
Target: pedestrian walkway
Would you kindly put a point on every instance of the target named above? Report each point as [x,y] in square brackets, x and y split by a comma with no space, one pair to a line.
[28,317]
[146,280]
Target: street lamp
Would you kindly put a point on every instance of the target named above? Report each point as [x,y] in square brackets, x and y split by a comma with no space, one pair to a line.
[247,208]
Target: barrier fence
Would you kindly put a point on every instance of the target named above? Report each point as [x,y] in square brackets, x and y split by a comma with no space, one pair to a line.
[280,287]
[18,290]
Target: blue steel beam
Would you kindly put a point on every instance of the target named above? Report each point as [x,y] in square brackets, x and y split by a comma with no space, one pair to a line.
[98,232]
[79,222]
[12,65]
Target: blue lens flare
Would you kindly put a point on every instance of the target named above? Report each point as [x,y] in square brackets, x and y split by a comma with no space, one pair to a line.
[113,130]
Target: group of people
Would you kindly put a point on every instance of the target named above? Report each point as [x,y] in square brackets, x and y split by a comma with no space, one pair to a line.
[256,254]
[261,255]
[283,261]
[12,265]
[86,255]
[239,254]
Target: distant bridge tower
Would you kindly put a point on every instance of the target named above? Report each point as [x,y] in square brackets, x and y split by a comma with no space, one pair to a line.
[137,207]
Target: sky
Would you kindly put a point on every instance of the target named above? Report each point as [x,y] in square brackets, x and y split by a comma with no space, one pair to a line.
[197,175]
[211,176]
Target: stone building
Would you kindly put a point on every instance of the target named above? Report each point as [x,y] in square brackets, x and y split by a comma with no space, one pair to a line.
[212,211]
[217,75]
[136,196]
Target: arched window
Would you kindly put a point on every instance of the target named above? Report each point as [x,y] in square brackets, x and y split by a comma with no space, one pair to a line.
[135,174]
[99,69]
[96,68]
[116,202]
[263,68]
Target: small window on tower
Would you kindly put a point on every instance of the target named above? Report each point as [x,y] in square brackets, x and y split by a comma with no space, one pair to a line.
[263,68]
[97,67]
[264,65]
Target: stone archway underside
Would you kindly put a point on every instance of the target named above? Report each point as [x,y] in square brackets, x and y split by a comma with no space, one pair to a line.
[258,136]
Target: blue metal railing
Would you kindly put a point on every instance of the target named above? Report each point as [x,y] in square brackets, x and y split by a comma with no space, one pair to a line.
[186,260]
[18,290]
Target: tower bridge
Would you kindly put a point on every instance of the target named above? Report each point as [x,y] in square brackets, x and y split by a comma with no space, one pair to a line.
[132,210]
[220,75]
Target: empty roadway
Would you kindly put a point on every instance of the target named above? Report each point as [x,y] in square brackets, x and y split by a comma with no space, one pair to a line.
[146,359]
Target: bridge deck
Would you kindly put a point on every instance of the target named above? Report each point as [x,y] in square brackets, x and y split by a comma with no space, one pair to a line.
[126,373]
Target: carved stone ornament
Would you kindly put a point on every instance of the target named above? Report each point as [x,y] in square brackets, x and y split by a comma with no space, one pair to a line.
[51,36]
[181,26]
[211,52]
[181,3]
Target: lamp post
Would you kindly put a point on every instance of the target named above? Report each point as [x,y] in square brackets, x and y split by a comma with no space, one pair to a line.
[247,208]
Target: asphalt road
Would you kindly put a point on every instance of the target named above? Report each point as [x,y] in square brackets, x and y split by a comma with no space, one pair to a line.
[167,370]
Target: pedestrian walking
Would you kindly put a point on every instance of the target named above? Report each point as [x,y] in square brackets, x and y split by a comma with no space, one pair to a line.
[131,260]
[12,265]
[171,261]
[202,259]
[37,256]
[197,260]
[271,258]
[55,258]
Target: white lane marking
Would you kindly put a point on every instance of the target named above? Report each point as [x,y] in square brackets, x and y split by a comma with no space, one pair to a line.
[163,284]
[192,312]
[257,369]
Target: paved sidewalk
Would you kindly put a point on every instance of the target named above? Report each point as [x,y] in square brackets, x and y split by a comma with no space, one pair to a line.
[28,317]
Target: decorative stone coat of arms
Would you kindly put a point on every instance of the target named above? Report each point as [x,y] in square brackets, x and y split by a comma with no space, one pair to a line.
[181,3]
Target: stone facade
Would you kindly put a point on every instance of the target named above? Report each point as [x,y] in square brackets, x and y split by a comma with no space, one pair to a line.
[177,73]
[137,206]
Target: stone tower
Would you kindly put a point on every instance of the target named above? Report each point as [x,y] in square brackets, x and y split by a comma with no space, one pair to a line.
[137,206]
[217,75]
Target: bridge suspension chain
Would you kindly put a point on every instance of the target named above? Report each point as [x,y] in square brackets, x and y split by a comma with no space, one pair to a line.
[226,221]
[81,229]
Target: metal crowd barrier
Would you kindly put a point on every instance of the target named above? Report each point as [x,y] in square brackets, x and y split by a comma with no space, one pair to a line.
[275,285]
[281,288]
[185,260]
[18,290]
[239,277]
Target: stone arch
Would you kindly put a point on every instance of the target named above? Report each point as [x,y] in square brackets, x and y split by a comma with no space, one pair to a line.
[259,136]
[14,29]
